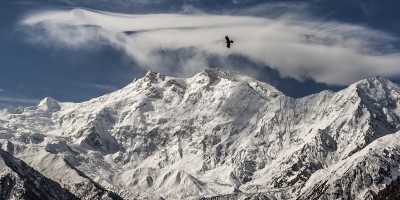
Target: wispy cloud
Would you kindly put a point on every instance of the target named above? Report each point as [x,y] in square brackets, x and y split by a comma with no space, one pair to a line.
[15,98]
[328,52]
[101,87]
[5,100]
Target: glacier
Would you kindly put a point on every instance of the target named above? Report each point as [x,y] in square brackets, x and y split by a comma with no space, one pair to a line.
[216,135]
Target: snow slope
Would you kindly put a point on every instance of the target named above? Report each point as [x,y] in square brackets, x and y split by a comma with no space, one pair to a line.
[217,134]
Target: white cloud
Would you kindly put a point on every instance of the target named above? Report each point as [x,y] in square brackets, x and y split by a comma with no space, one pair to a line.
[327,52]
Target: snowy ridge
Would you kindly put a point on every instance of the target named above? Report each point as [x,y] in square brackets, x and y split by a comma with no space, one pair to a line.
[217,134]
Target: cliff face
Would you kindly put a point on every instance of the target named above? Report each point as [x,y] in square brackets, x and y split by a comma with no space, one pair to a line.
[19,181]
[390,192]
[217,134]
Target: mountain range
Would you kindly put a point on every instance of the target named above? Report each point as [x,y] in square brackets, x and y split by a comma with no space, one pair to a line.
[217,135]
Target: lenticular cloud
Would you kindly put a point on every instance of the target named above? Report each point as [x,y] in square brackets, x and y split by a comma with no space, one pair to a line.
[327,52]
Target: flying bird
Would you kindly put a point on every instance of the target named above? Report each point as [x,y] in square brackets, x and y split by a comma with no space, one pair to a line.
[228,42]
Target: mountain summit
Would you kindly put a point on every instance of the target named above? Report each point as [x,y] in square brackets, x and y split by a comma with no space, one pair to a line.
[217,134]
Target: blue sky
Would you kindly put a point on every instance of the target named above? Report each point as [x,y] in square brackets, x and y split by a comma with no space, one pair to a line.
[300,47]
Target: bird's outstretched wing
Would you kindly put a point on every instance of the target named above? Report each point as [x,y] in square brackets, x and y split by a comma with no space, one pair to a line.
[227,39]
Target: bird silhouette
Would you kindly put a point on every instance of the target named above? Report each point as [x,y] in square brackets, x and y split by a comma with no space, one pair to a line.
[228,42]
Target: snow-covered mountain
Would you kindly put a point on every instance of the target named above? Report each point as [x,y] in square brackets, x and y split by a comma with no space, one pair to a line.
[19,181]
[218,134]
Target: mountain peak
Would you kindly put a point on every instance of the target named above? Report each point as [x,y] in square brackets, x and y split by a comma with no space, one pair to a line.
[373,81]
[375,86]
[218,73]
[153,76]
[49,104]
[213,75]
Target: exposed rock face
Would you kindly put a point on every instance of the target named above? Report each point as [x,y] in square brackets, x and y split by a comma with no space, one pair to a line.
[390,192]
[19,181]
[218,134]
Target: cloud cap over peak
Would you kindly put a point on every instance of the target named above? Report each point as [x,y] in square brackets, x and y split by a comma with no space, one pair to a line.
[301,48]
